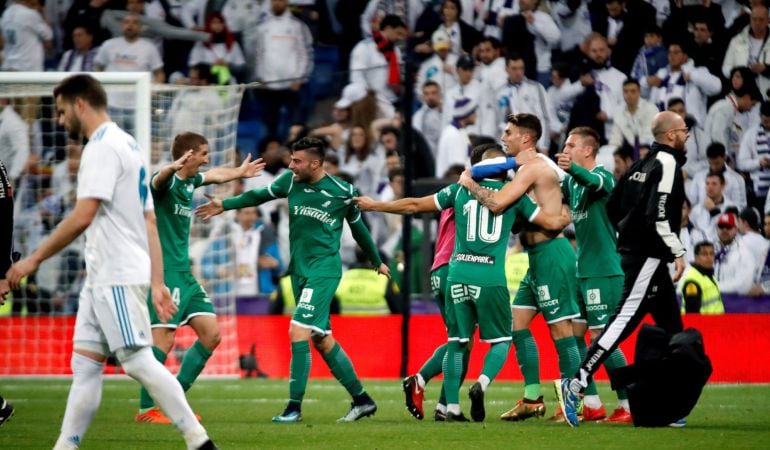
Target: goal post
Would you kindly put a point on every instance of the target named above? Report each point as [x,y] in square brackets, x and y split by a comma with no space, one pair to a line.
[37,323]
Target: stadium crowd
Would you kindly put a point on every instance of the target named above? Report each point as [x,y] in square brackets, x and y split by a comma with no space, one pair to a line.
[610,65]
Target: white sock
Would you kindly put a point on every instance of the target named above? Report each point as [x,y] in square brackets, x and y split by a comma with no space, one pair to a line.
[624,404]
[484,382]
[592,401]
[441,408]
[83,401]
[142,366]
[421,381]
[453,408]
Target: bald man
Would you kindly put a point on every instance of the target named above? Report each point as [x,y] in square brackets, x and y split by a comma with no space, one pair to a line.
[646,209]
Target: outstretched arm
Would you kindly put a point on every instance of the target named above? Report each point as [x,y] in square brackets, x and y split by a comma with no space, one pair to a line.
[498,201]
[247,169]
[408,205]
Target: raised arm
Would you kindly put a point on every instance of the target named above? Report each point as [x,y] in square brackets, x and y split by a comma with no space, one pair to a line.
[498,201]
[247,169]
[402,206]
[584,177]
[161,179]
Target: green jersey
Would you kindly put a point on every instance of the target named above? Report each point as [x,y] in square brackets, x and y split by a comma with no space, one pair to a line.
[481,238]
[173,210]
[588,192]
[316,213]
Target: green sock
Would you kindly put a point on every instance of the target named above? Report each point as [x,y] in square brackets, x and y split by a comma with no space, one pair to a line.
[582,350]
[432,366]
[145,401]
[453,368]
[495,359]
[569,357]
[529,362]
[299,370]
[342,369]
[466,358]
[616,360]
[192,364]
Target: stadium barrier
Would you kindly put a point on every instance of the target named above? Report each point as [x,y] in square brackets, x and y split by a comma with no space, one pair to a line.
[734,343]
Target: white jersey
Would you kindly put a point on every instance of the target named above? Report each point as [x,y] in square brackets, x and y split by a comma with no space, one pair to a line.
[24,31]
[119,55]
[112,170]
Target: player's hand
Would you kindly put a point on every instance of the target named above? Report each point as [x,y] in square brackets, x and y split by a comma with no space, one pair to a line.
[466,179]
[20,270]
[161,301]
[179,163]
[212,208]
[4,290]
[250,169]
[678,268]
[383,270]
[366,203]
[564,161]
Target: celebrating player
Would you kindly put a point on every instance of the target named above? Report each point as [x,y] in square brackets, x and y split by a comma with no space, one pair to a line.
[477,286]
[549,285]
[123,260]
[172,191]
[318,203]
[600,278]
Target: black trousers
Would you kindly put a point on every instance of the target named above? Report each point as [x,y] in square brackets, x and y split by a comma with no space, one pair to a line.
[647,288]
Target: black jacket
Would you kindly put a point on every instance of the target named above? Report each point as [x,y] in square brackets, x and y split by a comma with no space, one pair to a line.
[6,222]
[646,205]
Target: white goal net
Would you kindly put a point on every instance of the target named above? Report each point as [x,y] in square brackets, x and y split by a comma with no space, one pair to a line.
[37,323]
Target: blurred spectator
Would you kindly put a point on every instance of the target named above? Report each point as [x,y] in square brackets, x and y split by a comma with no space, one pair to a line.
[14,142]
[754,156]
[362,291]
[704,214]
[196,110]
[696,142]
[730,117]
[26,35]
[467,86]
[366,166]
[428,119]
[242,18]
[256,263]
[735,187]
[464,36]
[336,133]
[522,95]
[491,73]
[375,62]
[532,34]
[700,291]
[623,23]
[623,158]
[574,21]
[439,68]
[681,79]
[750,48]
[632,125]
[689,234]
[651,58]
[704,51]
[83,54]
[454,147]
[284,50]
[222,52]
[562,93]
[89,13]
[735,266]
[749,222]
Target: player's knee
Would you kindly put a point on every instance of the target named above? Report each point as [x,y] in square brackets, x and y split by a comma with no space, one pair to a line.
[211,340]
[323,344]
[135,361]
[83,365]
[163,338]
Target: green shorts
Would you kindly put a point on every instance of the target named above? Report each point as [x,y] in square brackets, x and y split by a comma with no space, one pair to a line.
[314,298]
[550,284]
[597,299]
[188,296]
[438,284]
[487,306]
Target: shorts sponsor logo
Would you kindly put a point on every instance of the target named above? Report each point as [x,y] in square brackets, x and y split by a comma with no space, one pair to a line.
[435,283]
[596,308]
[547,303]
[304,300]
[464,292]
[554,311]
[307,316]
[543,293]
[593,297]
[471,258]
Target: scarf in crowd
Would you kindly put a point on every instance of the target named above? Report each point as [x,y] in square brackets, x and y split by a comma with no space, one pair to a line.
[389,52]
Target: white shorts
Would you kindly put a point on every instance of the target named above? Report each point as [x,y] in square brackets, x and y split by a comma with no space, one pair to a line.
[112,317]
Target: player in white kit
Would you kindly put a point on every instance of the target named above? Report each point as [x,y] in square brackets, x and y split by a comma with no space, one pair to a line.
[123,260]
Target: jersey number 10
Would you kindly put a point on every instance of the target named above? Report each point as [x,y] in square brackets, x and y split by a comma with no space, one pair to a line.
[478,222]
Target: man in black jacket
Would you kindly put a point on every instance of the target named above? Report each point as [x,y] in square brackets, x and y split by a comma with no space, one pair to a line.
[646,209]
[6,257]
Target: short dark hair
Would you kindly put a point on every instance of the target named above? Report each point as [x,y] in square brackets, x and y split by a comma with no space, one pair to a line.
[266,141]
[589,136]
[457,3]
[513,56]
[314,146]
[528,122]
[687,202]
[496,44]
[186,141]
[431,83]
[631,80]
[82,86]
[674,101]
[719,175]
[562,68]
[392,21]
[764,109]
[624,152]
[389,129]
[395,172]
[752,217]
[700,245]
[204,73]
[715,150]
[477,154]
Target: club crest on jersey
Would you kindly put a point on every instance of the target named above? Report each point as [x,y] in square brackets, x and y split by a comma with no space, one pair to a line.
[190,188]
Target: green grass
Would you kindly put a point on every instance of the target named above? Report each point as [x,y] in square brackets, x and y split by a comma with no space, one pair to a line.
[237,415]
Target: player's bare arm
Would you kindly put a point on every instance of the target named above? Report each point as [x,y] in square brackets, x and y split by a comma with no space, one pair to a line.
[408,205]
[247,169]
[167,171]
[161,297]
[550,222]
[498,201]
[68,230]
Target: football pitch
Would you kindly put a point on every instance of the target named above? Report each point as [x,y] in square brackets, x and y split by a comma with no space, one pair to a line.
[237,415]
